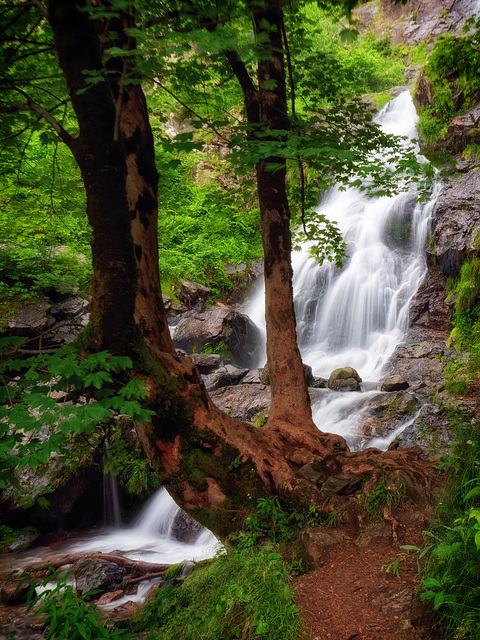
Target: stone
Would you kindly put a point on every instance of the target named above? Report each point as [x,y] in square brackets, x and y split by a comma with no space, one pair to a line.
[24,541]
[127,609]
[394,383]
[206,362]
[316,539]
[394,601]
[193,294]
[343,484]
[109,597]
[32,319]
[243,401]
[457,217]
[95,573]
[376,530]
[217,325]
[12,594]
[344,379]
[184,528]
[224,377]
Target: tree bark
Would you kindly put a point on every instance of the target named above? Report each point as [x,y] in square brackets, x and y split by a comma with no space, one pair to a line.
[214,466]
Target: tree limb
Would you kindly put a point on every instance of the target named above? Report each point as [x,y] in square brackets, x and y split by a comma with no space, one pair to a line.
[31,105]
[40,6]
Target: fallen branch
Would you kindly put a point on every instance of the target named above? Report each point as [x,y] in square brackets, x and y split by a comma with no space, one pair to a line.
[137,566]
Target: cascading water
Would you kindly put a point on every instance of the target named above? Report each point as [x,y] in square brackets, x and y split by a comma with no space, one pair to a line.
[357,315]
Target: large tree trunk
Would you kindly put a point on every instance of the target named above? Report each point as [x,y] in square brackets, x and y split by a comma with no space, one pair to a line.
[214,466]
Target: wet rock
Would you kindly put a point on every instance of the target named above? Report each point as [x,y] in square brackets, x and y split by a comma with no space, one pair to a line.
[185,528]
[95,573]
[252,377]
[14,593]
[219,325]
[126,610]
[387,411]
[173,308]
[394,383]
[24,541]
[344,379]
[422,20]
[109,597]
[224,377]
[307,372]
[319,383]
[206,362]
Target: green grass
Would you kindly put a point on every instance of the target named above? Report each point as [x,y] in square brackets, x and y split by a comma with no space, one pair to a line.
[244,593]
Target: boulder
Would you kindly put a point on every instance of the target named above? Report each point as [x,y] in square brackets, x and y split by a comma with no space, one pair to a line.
[185,528]
[192,294]
[344,379]
[206,362]
[223,328]
[243,401]
[24,541]
[394,383]
[224,377]
[95,573]
[32,319]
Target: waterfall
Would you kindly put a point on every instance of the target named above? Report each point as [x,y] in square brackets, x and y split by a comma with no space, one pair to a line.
[357,315]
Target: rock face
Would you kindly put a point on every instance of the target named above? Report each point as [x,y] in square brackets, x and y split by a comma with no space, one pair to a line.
[57,322]
[420,20]
[217,325]
[94,573]
[457,217]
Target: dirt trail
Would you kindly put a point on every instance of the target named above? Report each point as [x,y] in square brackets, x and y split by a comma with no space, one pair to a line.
[351,595]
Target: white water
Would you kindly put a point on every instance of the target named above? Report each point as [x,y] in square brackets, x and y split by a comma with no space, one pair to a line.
[356,316]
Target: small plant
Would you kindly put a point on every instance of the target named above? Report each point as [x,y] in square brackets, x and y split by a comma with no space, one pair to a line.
[383,495]
[220,348]
[68,617]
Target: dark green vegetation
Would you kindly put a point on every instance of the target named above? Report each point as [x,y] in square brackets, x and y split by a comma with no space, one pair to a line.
[241,594]
[452,571]
[452,71]
[208,216]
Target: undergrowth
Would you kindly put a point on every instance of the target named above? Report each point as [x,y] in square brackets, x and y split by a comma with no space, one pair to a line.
[452,572]
[243,593]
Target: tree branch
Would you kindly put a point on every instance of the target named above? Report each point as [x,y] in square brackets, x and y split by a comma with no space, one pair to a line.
[40,6]
[31,105]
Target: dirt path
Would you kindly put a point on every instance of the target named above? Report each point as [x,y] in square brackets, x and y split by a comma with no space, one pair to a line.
[352,596]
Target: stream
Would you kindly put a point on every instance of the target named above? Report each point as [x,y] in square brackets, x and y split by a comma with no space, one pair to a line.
[350,317]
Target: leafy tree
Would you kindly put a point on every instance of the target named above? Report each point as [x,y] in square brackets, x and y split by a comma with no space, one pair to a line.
[107,129]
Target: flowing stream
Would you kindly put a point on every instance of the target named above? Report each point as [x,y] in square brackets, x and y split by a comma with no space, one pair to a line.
[357,315]
[350,317]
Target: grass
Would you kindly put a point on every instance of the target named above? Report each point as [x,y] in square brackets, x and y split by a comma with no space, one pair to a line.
[243,593]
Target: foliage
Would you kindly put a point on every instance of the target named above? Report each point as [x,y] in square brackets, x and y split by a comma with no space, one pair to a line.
[453,69]
[241,594]
[47,400]
[381,496]
[9,535]
[452,573]
[67,616]
[127,463]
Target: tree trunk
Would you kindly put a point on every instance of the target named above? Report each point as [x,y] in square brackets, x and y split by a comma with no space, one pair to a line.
[214,466]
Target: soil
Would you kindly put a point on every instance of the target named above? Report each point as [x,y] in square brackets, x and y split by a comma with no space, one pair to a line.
[356,593]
